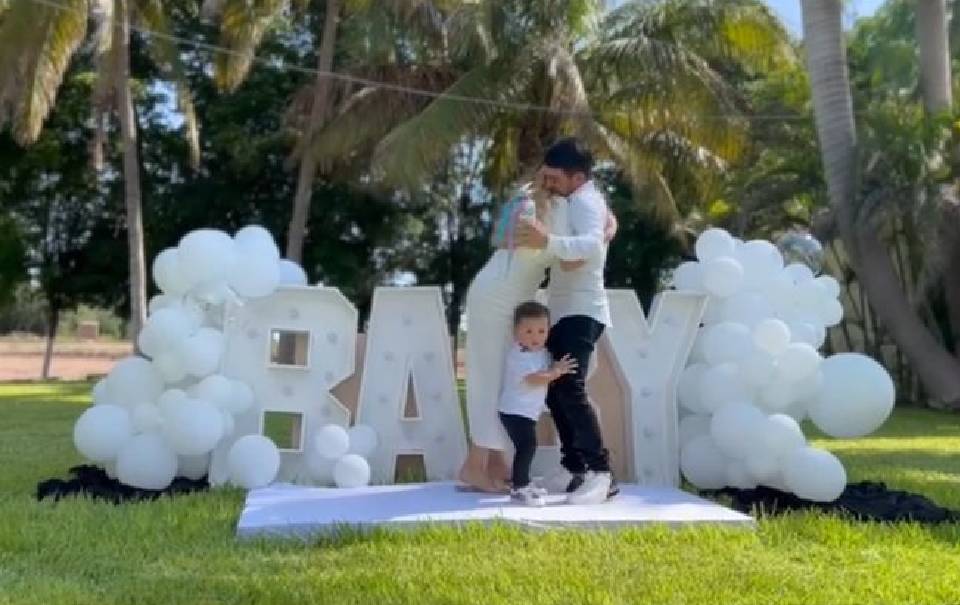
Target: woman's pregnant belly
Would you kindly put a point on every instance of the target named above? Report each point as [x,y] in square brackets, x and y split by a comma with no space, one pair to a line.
[508,279]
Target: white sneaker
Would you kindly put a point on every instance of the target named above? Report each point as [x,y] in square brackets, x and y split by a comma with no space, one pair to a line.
[529,495]
[595,489]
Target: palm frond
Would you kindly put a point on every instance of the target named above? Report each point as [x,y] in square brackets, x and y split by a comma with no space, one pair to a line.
[243,24]
[36,45]
[166,55]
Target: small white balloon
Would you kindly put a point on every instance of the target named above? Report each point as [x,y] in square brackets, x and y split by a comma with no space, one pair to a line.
[856,397]
[812,333]
[762,468]
[206,256]
[776,396]
[739,476]
[101,431]
[703,464]
[254,239]
[714,243]
[169,398]
[201,352]
[736,427]
[192,427]
[146,418]
[692,426]
[215,388]
[830,285]
[193,467]
[255,276]
[747,308]
[332,441]
[170,366]
[292,274]
[758,368]
[146,462]
[761,261]
[229,424]
[688,386]
[688,276]
[721,384]
[351,471]
[772,336]
[727,341]
[166,329]
[320,469]
[167,274]
[799,273]
[722,276]
[829,311]
[241,397]
[162,301]
[782,435]
[101,394]
[797,362]
[814,474]
[363,440]
[253,461]
[132,380]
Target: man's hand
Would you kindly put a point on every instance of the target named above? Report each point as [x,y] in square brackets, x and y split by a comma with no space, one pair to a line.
[531,233]
[610,227]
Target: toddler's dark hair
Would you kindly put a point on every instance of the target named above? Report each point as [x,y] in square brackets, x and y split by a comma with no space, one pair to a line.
[529,310]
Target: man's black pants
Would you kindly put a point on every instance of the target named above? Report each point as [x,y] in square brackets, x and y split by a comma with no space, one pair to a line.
[581,445]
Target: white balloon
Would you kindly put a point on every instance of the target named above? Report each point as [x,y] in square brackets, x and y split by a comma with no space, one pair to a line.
[167,274]
[132,380]
[201,352]
[255,276]
[739,476]
[747,308]
[241,397]
[722,276]
[169,398]
[688,276]
[170,366]
[830,284]
[212,293]
[736,427]
[798,361]
[797,410]
[101,431]
[857,396]
[319,469]
[772,336]
[101,394]
[714,243]
[292,274]
[363,440]
[351,470]
[206,256]
[721,384]
[688,386]
[758,368]
[777,396]
[780,290]
[829,311]
[761,261]
[162,301]
[193,467]
[215,388]
[814,474]
[693,425]
[782,435]
[809,387]
[146,418]
[727,341]
[763,468]
[799,273]
[810,294]
[146,462]
[332,441]
[192,427]
[166,329]
[254,461]
[254,239]
[229,424]
[703,464]
[809,332]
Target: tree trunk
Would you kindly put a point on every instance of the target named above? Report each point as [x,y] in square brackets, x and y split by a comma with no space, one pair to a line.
[53,321]
[131,171]
[931,31]
[308,164]
[833,112]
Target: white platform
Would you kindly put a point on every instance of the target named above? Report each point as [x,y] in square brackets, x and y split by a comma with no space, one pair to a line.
[291,510]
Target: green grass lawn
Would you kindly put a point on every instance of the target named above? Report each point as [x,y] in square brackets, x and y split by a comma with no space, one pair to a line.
[183,550]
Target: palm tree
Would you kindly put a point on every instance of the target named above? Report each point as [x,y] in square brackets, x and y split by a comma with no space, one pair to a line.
[641,83]
[38,38]
[836,131]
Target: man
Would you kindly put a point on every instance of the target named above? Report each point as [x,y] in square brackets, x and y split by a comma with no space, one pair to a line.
[580,312]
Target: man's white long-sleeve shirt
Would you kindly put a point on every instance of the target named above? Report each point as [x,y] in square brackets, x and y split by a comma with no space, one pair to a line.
[581,291]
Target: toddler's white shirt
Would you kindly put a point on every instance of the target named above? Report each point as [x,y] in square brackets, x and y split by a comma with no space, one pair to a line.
[516,396]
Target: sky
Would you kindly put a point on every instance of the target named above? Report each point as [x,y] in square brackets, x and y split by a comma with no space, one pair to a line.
[789,12]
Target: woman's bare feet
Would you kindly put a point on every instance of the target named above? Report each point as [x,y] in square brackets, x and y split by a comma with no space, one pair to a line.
[497,467]
[475,472]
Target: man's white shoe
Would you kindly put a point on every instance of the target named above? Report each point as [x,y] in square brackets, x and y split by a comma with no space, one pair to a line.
[594,489]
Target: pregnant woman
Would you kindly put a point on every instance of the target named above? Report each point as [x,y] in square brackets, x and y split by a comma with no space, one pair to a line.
[511,276]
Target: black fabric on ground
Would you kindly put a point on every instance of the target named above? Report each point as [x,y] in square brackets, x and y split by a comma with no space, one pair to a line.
[93,482]
[865,501]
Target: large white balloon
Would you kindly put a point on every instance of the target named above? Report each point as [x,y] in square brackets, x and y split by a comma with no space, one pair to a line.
[292,274]
[255,276]
[761,261]
[703,464]
[193,467]
[132,380]
[714,243]
[363,440]
[332,441]
[736,428]
[688,276]
[166,329]
[167,274]
[797,362]
[856,396]
[782,435]
[814,474]
[201,352]
[772,336]
[319,469]
[722,276]
[693,425]
[146,418]
[215,388]
[145,461]
[688,386]
[254,239]
[254,461]
[351,471]
[727,341]
[206,256]
[192,427]
[721,384]
[101,431]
